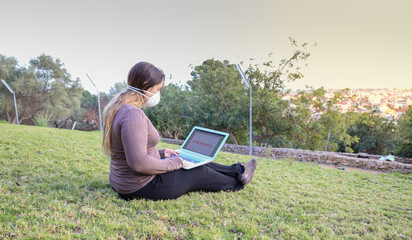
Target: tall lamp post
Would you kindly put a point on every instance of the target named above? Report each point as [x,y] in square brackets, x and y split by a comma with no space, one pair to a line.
[250,105]
[98,102]
[14,96]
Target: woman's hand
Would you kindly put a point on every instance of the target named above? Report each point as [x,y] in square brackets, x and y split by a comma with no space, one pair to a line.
[170,152]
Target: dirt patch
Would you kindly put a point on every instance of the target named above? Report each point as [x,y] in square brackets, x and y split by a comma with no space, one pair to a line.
[351,169]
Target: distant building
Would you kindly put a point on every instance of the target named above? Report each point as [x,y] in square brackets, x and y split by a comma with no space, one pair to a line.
[399,112]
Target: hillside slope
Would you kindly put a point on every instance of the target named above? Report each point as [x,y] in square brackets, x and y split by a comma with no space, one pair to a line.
[54,184]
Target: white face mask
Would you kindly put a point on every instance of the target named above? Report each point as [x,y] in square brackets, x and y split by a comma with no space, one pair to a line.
[153,100]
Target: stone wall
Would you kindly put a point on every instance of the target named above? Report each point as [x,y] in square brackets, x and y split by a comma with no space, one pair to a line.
[331,158]
[397,159]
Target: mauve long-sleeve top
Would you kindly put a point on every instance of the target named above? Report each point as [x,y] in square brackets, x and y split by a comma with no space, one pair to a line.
[134,157]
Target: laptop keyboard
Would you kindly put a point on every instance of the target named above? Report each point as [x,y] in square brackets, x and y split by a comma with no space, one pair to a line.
[189,162]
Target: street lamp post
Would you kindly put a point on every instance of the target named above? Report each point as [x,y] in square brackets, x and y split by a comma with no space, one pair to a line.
[14,97]
[250,105]
[98,102]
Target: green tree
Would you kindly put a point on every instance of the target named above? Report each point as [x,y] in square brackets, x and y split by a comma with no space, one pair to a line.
[315,117]
[268,106]
[271,122]
[117,88]
[377,135]
[405,130]
[10,72]
[88,101]
[219,99]
[62,94]
[88,115]
[172,116]
[27,90]
[45,86]
[90,111]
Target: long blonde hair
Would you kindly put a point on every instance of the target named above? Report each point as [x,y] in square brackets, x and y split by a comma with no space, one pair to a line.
[143,76]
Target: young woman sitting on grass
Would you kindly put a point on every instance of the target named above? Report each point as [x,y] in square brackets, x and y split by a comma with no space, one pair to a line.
[137,168]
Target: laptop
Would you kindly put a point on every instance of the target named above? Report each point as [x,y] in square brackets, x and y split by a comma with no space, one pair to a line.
[201,146]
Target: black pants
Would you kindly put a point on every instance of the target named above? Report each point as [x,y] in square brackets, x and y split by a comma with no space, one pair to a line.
[211,177]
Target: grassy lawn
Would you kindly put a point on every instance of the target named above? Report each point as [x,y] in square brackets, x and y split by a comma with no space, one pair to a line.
[54,184]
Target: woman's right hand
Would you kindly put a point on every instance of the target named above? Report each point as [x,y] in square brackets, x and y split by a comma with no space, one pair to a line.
[184,164]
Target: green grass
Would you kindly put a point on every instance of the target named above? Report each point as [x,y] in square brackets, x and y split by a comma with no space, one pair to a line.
[54,184]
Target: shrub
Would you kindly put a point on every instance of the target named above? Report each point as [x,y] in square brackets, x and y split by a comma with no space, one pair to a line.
[42,118]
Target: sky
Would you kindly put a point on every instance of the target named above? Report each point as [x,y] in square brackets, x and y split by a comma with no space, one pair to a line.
[360,44]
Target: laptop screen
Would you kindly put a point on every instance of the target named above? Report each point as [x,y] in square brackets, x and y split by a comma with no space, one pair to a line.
[203,142]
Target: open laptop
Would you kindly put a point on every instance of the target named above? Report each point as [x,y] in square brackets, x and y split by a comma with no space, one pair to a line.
[201,146]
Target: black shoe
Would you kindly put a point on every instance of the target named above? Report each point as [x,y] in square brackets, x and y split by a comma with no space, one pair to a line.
[247,175]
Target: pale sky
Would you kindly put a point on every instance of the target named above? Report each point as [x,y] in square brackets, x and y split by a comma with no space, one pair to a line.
[360,43]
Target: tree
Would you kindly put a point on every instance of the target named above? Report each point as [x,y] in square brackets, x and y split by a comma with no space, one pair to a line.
[172,116]
[405,130]
[45,86]
[89,112]
[268,83]
[88,100]
[315,117]
[117,88]
[61,94]
[377,135]
[219,100]
[10,72]
[268,106]
[88,117]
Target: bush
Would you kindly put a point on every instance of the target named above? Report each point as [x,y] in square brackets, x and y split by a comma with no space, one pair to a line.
[42,118]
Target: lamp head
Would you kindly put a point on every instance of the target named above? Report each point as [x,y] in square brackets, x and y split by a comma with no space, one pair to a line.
[7,86]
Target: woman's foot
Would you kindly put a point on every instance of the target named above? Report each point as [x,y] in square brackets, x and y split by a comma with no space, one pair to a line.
[247,175]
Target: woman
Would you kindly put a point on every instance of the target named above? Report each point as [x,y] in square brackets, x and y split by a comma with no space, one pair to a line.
[137,168]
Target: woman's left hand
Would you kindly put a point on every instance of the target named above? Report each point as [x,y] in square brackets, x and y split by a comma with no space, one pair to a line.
[170,152]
